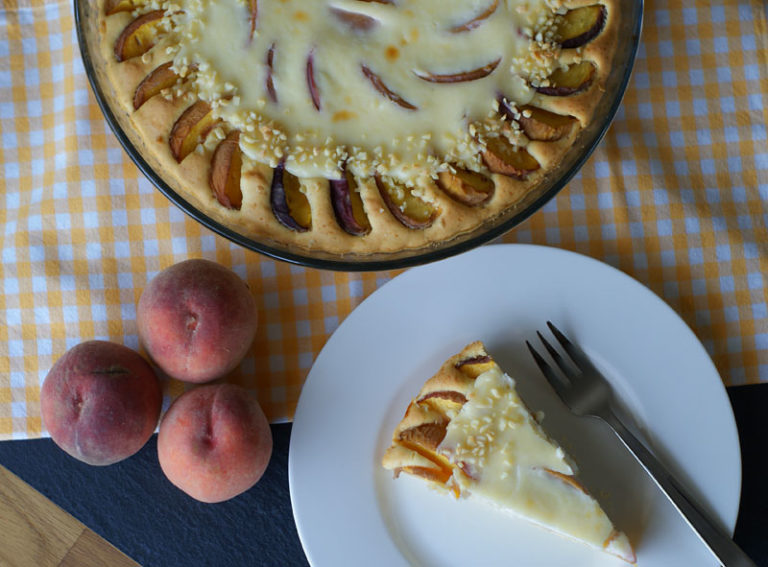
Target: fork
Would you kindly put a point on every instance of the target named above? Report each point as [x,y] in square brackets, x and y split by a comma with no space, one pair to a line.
[587,393]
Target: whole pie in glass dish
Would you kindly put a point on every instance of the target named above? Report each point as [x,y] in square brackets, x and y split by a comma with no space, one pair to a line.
[357,127]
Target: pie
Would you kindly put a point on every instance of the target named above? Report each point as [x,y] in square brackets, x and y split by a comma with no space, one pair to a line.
[469,433]
[356,126]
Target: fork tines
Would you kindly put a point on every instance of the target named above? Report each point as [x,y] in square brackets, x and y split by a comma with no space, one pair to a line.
[554,379]
[570,371]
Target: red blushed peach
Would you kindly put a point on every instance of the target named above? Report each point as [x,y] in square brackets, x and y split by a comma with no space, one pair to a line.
[100,402]
[214,442]
[197,320]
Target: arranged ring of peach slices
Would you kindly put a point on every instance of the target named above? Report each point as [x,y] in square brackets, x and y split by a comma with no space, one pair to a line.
[356,126]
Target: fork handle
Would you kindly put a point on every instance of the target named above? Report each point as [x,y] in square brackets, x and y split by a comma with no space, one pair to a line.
[723,547]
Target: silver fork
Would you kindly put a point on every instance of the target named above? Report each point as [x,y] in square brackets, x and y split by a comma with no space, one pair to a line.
[587,393]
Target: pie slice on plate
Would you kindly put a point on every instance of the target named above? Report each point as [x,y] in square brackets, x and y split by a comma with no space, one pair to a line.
[468,432]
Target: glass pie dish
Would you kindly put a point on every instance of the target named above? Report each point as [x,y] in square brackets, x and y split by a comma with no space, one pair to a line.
[89,27]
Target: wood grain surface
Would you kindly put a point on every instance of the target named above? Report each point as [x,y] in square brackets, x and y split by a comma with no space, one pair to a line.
[36,532]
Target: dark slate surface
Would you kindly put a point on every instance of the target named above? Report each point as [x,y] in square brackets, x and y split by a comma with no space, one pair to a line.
[750,406]
[132,505]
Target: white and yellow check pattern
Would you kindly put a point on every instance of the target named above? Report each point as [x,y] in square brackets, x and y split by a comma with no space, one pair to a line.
[676,196]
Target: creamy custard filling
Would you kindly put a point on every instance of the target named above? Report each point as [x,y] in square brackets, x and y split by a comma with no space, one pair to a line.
[507,459]
[390,87]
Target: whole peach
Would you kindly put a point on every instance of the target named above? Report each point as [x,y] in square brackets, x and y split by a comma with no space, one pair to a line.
[100,402]
[197,320]
[214,442]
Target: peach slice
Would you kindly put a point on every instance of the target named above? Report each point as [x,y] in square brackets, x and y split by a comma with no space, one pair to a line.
[139,36]
[564,82]
[190,129]
[467,187]
[311,84]
[226,165]
[423,440]
[462,77]
[544,126]
[451,396]
[348,206]
[289,205]
[162,77]
[379,85]
[270,83]
[537,123]
[444,401]
[568,479]
[354,20]
[114,6]
[439,475]
[580,25]
[475,366]
[253,14]
[502,157]
[410,210]
[477,20]
[427,435]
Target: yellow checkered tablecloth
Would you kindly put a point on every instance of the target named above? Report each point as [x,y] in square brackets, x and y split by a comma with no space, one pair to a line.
[676,196]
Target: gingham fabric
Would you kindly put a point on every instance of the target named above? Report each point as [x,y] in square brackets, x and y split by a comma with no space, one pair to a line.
[676,196]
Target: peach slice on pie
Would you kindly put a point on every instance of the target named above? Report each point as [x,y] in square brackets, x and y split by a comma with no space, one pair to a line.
[460,77]
[538,124]
[580,25]
[269,81]
[139,36]
[544,126]
[253,15]
[411,210]
[162,77]
[565,82]
[115,6]
[226,165]
[383,89]
[314,93]
[348,205]
[289,205]
[190,129]
[477,20]
[354,20]
[500,156]
[467,187]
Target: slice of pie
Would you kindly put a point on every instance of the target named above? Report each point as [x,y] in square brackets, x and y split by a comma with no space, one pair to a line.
[469,432]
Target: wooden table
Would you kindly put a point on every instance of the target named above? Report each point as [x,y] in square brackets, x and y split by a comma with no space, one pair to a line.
[37,532]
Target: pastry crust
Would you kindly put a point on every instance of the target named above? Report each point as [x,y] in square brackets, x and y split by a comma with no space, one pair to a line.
[255,218]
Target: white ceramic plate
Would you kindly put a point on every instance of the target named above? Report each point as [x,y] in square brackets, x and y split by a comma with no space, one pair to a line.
[349,511]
